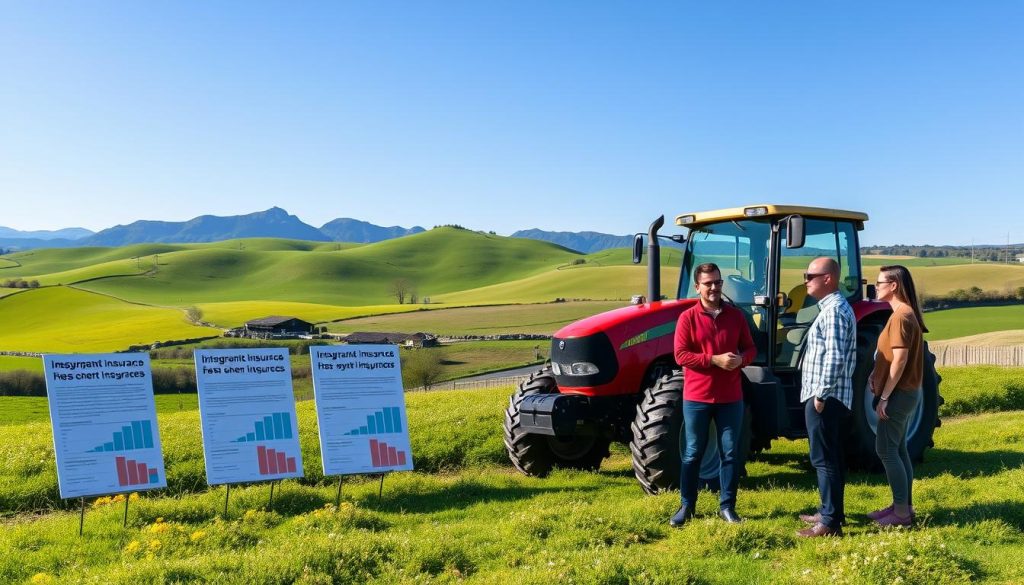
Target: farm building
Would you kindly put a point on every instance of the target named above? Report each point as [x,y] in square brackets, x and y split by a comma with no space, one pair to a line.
[406,339]
[277,326]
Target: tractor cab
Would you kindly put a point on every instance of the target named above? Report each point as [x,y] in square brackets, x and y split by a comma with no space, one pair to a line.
[763,264]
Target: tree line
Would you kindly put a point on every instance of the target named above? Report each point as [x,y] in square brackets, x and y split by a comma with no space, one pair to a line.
[985,253]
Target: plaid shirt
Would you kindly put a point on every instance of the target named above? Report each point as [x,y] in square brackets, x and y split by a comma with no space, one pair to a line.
[830,352]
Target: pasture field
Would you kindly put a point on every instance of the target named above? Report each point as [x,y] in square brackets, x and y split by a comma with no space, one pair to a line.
[465,516]
[62,319]
[543,318]
[952,323]
[577,282]
[911,261]
[32,364]
[439,261]
[991,339]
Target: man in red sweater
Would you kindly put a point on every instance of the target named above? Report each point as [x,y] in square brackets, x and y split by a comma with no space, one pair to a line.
[712,343]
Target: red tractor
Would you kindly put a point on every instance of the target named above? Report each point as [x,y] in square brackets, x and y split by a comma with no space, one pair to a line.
[612,377]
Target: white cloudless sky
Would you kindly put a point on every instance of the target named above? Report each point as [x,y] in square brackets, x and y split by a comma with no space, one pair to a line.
[512,115]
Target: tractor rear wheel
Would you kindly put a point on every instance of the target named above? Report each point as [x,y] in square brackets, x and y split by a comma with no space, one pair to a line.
[861,447]
[535,454]
[659,438]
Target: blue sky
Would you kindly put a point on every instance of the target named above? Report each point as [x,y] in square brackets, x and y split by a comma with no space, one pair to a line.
[512,115]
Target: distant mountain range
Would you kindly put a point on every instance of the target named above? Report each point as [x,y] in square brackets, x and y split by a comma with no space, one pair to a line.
[272,223]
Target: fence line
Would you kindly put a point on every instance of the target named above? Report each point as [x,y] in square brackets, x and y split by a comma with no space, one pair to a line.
[972,355]
[475,384]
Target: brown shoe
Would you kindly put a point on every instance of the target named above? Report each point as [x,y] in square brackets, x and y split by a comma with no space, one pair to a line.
[819,529]
[811,518]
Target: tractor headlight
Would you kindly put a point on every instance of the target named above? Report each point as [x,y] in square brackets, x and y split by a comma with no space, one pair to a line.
[574,369]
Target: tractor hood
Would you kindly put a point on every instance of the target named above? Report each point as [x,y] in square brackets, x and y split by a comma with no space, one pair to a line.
[609,353]
[624,323]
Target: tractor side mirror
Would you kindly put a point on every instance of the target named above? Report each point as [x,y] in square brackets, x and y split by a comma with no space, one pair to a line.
[638,248]
[795,231]
[871,292]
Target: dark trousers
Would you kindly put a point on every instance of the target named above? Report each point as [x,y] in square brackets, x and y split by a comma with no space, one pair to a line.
[697,417]
[824,435]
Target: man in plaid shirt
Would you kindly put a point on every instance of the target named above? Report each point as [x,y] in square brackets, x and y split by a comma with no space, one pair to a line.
[827,392]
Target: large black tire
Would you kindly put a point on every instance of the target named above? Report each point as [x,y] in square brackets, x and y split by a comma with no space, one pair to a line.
[537,454]
[861,444]
[658,437]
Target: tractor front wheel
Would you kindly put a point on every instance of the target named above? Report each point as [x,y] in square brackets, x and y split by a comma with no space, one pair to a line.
[659,438]
[535,454]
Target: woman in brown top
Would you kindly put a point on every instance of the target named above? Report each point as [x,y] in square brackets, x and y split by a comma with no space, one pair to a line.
[896,383]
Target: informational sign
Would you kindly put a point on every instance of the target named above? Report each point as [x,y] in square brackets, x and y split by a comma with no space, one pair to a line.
[247,409]
[104,423]
[360,405]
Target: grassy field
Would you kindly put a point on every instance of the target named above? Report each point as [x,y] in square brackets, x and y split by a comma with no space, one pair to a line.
[954,323]
[991,339]
[439,261]
[540,318]
[63,319]
[911,261]
[577,282]
[467,517]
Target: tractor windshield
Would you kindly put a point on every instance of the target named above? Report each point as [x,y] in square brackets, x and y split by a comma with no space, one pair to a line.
[740,249]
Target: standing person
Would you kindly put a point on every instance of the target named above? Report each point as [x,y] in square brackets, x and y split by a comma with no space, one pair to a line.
[827,393]
[896,383]
[712,343]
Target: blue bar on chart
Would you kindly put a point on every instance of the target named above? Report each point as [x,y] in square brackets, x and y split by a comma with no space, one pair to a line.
[276,426]
[138,434]
[386,420]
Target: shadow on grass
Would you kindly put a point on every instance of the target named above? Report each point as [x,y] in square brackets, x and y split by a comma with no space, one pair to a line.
[456,496]
[1009,511]
[967,464]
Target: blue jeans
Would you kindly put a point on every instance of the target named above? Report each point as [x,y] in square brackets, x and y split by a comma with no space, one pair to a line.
[824,433]
[697,417]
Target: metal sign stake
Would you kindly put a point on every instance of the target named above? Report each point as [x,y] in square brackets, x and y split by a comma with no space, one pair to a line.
[124,523]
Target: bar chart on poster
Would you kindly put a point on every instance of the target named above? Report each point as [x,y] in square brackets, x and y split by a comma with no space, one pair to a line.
[103,416]
[360,405]
[247,413]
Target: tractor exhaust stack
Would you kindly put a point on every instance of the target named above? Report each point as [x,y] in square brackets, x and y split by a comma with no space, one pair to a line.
[654,261]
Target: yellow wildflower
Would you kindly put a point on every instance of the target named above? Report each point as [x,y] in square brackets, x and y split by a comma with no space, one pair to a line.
[42,579]
[159,528]
[197,535]
[133,547]
[155,544]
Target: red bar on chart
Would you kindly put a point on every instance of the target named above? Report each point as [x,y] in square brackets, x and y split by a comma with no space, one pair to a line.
[291,465]
[382,454]
[374,454]
[272,461]
[122,471]
[143,473]
[261,453]
[401,457]
[282,463]
[133,473]
[392,456]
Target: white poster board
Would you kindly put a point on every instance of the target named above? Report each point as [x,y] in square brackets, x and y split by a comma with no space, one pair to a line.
[247,412]
[105,435]
[360,407]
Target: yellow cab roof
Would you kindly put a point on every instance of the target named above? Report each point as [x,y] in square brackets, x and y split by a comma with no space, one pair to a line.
[762,210]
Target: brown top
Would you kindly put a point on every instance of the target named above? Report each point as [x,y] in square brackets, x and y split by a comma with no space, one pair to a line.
[902,330]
